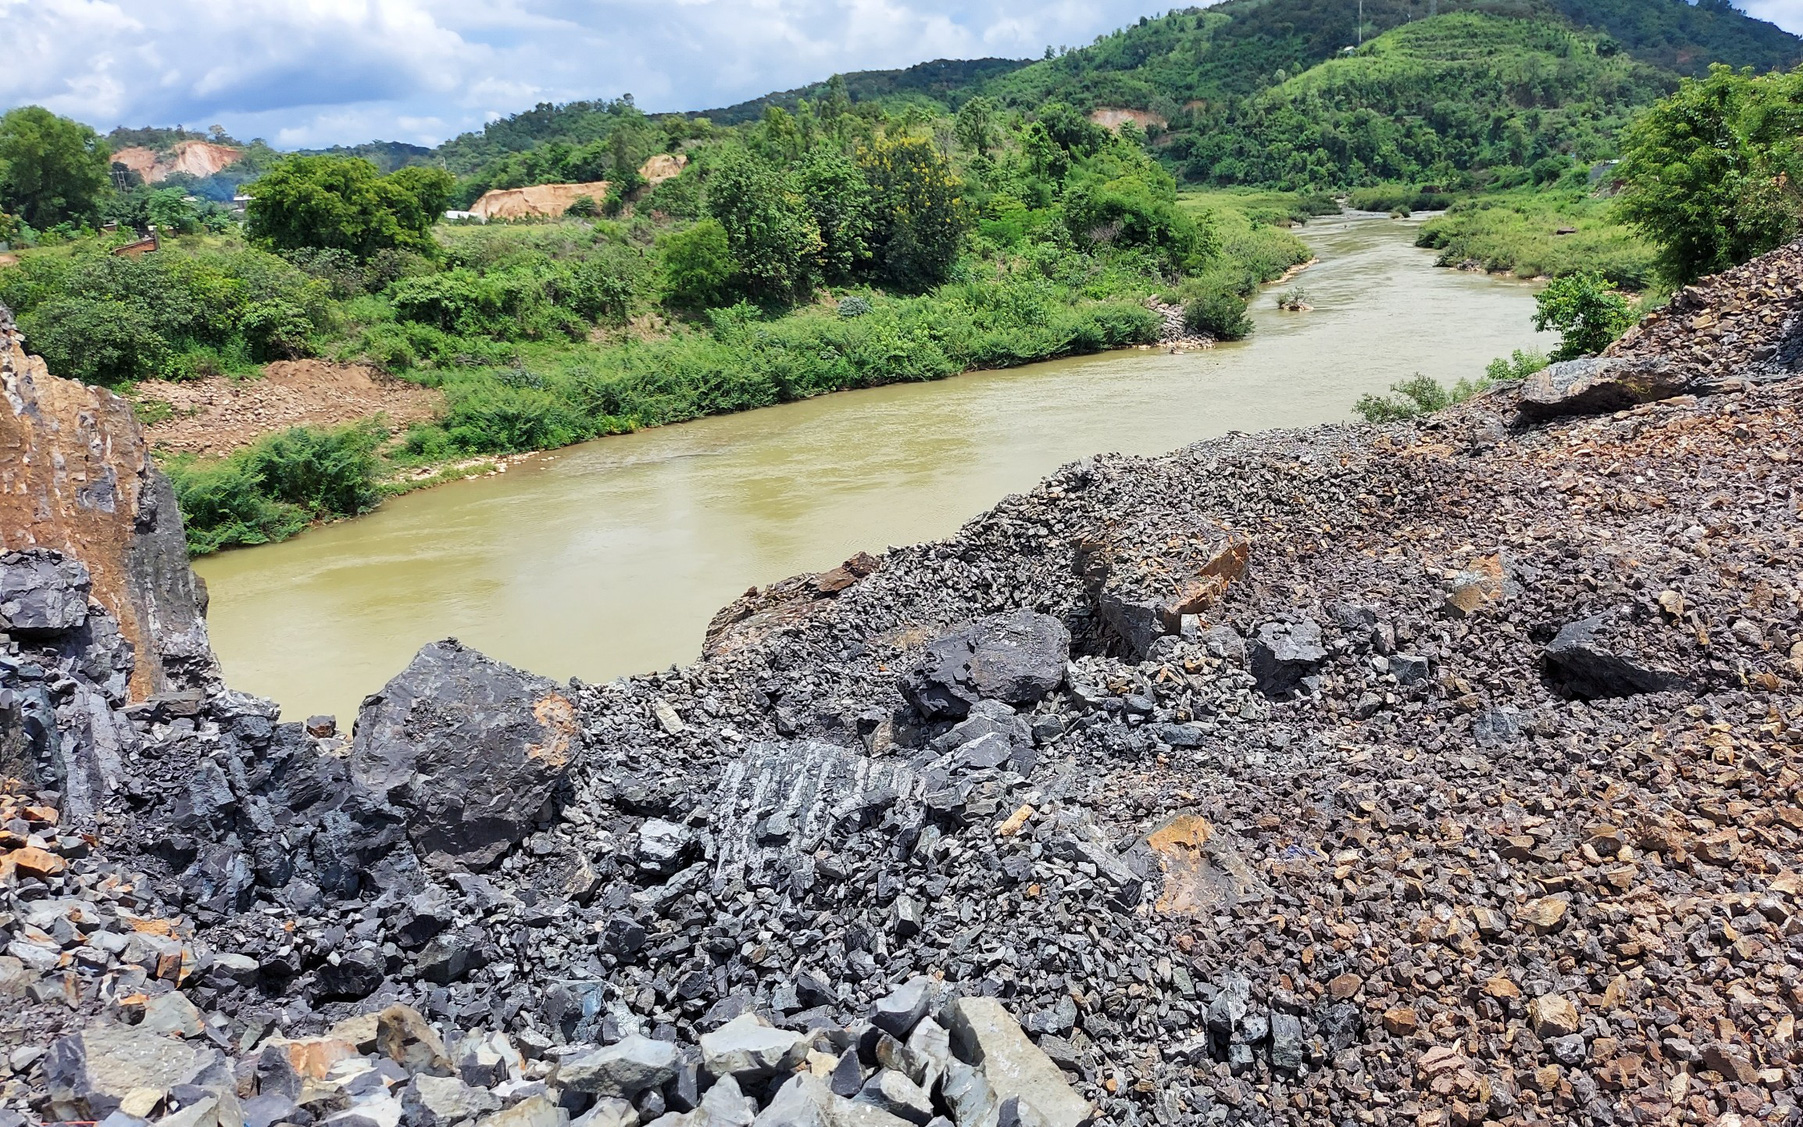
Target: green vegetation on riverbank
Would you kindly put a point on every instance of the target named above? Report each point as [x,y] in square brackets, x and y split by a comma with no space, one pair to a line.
[783,262]
[1550,232]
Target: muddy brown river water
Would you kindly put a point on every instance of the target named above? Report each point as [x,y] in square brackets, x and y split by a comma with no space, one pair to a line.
[610,557]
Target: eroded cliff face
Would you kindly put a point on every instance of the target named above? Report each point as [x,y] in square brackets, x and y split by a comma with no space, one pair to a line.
[76,478]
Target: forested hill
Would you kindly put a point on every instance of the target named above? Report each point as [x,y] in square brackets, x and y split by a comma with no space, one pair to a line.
[943,83]
[1293,93]
[1241,47]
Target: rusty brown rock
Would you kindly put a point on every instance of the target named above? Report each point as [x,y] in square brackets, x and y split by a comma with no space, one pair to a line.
[76,477]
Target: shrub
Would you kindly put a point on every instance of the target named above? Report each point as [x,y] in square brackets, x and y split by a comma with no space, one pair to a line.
[1418,396]
[1219,312]
[276,487]
[1586,313]
[1519,365]
[276,330]
[699,268]
[853,307]
[96,341]
[583,207]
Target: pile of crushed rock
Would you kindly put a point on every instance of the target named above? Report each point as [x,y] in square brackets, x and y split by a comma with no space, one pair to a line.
[1440,773]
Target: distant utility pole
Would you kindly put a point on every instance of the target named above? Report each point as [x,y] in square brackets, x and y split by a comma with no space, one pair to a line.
[1361,23]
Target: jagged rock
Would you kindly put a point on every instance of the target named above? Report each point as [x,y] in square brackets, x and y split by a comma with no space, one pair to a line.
[777,802]
[899,1011]
[633,1065]
[1283,653]
[447,1099]
[1145,596]
[1596,386]
[806,1101]
[42,592]
[894,1093]
[985,1033]
[748,1049]
[471,749]
[405,1037]
[1015,658]
[1586,664]
[87,1074]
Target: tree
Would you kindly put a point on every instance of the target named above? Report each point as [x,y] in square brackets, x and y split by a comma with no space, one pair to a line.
[698,265]
[52,169]
[1586,312]
[1711,173]
[976,126]
[919,214]
[838,197]
[768,228]
[344,203]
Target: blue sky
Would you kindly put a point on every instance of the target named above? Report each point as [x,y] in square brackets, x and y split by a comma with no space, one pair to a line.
[318,72]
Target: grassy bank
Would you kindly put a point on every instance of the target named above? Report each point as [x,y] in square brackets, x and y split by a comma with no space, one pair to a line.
[1547,232]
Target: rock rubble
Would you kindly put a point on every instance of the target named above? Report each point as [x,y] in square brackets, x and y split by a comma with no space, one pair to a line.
[1444,773]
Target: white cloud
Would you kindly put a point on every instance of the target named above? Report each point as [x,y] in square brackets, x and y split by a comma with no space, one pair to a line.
[315,72]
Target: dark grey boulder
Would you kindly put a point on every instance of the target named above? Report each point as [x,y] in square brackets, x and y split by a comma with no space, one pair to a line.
[1281,654]
[471,750]
[1595,386]
[1591,659]
[42,592]
[1015,658]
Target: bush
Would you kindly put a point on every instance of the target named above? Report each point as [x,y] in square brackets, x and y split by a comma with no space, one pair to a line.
[1219,312]
[96,341]
[699,268]
[1519,365]
[1586,313]
[276,487]
[583,207]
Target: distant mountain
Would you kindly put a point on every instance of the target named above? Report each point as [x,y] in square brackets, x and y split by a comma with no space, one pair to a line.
[943,81]
[1241,47]
[385,155]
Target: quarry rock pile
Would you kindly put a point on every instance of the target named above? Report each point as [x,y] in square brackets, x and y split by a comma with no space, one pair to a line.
[1443,773]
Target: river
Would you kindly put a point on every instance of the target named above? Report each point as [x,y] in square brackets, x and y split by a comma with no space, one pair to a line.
[610,557]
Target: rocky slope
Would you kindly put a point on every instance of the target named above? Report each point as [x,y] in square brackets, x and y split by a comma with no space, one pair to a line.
[1441,773]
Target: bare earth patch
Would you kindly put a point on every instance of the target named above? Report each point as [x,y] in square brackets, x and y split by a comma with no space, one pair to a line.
[219,415]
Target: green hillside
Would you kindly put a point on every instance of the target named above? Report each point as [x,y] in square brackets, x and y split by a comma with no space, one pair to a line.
[1291,93]
[940,84]
[1444,99]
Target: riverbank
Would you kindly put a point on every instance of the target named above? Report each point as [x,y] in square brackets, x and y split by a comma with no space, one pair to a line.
[1437,772]
[631,543]
[503,388]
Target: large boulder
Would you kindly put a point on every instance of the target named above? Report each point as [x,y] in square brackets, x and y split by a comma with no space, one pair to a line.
[1596,386]
[1592,659]
[1015,658]
[471,750]
[88,1074]
[985,1034]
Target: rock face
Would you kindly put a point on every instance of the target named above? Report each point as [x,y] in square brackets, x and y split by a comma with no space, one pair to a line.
[1014,658]
[76,478]
[470,749]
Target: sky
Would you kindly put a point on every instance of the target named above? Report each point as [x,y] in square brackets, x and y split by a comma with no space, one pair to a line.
[304,73]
